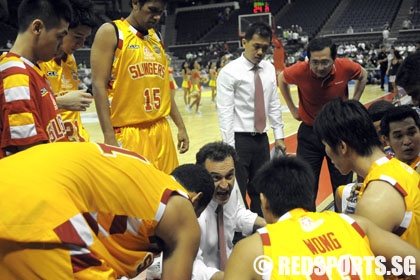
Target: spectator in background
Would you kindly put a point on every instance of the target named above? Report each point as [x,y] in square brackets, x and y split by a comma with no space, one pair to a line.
[221,17]
[383,62]
[385,35]
[411,10]
[393,66]
[227,12]
[350,30]
[407,24]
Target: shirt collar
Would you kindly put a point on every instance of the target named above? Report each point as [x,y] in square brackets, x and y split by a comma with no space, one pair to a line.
[212,205]
[134,30]
[248,64]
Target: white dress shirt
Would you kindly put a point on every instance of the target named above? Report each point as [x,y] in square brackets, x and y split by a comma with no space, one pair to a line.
[235,98]
[236,218]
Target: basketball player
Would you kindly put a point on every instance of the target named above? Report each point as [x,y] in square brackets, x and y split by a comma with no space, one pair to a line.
[287,199]
[62,71]
[352,144]
[29,111]
[345,193]
[100,214]
[401,129]
[129,64]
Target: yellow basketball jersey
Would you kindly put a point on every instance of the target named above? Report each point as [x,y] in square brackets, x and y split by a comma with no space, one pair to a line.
[315,239]
[415,163]
[139,84]
[104,200]
[406,181]
[63,76]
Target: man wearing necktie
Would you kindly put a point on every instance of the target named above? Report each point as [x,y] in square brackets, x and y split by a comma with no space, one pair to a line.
[246,96]
[225,214]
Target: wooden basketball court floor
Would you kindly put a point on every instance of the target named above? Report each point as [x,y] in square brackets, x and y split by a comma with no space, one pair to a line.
[204,128]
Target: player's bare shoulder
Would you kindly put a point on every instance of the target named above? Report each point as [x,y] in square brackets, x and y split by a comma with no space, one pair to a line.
[107,35]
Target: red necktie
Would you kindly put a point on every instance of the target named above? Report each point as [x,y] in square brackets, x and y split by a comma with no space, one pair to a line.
[259,108]
[222,240]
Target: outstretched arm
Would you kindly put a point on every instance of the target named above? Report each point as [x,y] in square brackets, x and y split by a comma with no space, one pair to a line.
[180,233]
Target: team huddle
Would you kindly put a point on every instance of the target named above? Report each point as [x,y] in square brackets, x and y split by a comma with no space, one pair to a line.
[125,208]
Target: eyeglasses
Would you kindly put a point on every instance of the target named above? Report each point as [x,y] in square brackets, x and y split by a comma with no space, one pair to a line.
[324,63]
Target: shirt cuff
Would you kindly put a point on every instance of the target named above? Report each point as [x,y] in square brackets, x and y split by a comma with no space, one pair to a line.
[278,133]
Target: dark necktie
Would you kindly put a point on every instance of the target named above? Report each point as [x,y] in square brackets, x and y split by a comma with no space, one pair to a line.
[222,240]
[259,108]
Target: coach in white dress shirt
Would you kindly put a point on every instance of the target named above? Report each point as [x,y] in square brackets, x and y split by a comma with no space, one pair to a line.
[235,105]
[219,158]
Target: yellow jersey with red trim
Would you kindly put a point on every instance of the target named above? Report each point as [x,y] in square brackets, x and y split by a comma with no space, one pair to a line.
[63,76]
[415,163]
[315,237]
[29,112]
[406,181]
[105,201]
[139,79]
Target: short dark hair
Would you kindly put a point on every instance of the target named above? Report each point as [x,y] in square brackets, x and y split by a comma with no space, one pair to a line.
[320,43]
[378,109]
[82,14]
[51,12]
[408,73]
[215,151]
[398,114]
[142,2]
[347,121]
[258,28]
[286,183]
[195,178]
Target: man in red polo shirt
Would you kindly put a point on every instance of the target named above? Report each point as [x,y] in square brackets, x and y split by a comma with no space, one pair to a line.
[319,80]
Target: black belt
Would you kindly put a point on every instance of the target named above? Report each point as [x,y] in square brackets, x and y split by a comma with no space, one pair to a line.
[251,133]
